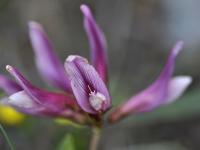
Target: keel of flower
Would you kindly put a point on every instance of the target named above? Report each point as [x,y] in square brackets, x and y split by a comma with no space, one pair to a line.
[89,89]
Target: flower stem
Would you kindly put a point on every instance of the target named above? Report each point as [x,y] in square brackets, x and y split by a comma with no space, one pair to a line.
[96,134]
[7,138]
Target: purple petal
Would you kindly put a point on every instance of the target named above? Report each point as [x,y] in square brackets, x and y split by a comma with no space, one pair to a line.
[164,90]
[51,100]
[97,43]
[47,61]
[169,67]
[89,89]
[25,104]
[8,85]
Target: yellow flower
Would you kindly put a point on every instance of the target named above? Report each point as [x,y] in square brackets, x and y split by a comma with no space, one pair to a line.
[9,116]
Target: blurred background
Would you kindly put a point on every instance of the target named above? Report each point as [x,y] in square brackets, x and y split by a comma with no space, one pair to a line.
[140,34]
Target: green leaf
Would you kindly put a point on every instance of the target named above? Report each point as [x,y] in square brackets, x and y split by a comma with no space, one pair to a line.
[81,138]
[67,143]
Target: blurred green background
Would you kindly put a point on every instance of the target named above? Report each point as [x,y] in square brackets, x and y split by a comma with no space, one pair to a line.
[140,34]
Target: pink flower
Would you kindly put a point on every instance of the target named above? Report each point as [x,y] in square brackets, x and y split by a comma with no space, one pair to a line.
[83,85]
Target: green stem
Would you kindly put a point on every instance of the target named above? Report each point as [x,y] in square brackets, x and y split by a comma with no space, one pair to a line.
[7,138]
[96,134]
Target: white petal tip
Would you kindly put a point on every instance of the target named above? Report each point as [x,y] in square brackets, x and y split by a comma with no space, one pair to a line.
[34,26]
[180,43]
[9,68]
[186,80]
[21,99]
[178,47]
[177,86]
[85,9]
[182,81]
[71,58]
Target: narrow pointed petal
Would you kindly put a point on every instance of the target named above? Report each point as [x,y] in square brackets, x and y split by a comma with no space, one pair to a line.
[9,86]
[164,90]
[97,43]
[169,67]
[47,61]
[51,100]
[88,87]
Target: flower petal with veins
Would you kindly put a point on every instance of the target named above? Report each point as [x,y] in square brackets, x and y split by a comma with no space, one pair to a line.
[87,85]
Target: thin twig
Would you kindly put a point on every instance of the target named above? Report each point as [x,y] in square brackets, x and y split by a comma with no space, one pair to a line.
[7,138]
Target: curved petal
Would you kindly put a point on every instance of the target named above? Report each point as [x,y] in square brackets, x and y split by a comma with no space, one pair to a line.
[9,86]
[169,67]
[47,61]
[164,90]
[86,82]
[51,100]
[97,43]
[25,104]
[22,102]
